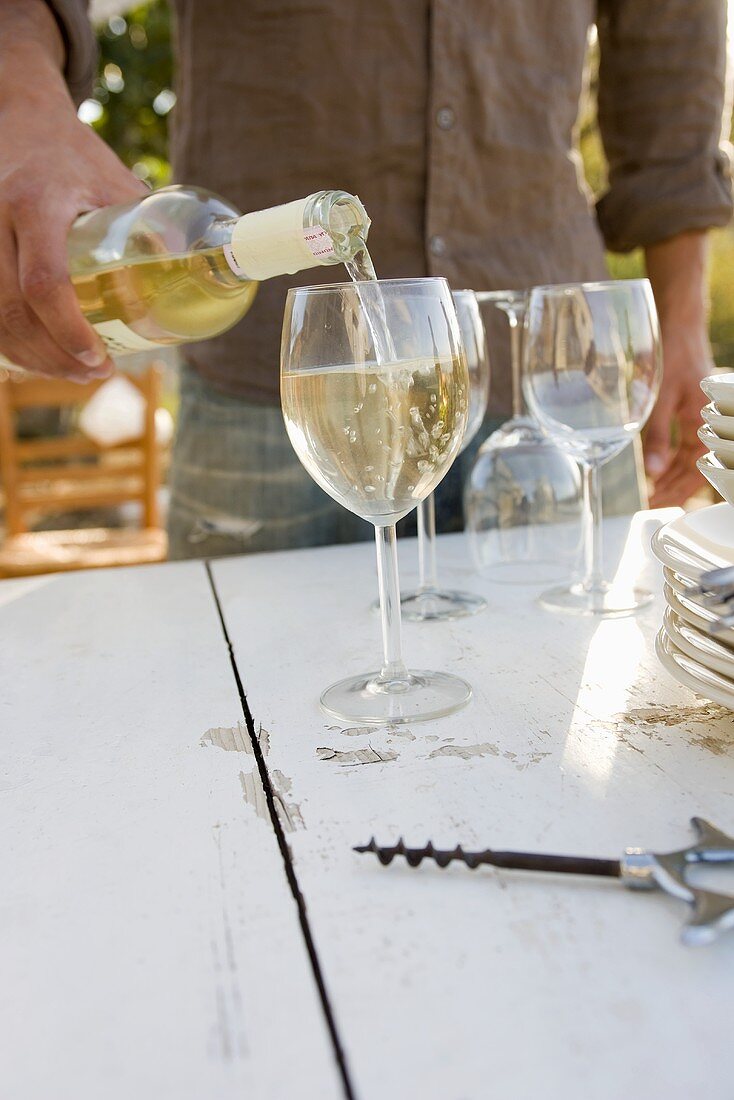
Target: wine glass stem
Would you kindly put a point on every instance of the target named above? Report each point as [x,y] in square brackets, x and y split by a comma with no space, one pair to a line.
[387,577]
[427,569]
[594,576]
[518,404]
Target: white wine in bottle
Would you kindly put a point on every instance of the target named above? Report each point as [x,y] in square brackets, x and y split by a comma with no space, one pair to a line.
[183,264]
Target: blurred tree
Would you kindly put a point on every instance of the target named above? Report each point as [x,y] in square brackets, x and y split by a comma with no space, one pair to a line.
[133,91]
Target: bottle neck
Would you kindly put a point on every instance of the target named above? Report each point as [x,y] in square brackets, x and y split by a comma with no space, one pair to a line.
[342,217]
[328,227]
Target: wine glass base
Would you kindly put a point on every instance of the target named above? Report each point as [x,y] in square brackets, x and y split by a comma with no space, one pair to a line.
[437,605]
[605,602]
[365,699]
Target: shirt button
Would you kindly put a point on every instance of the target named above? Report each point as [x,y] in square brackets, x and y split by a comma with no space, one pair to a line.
[445,118]
[438,246]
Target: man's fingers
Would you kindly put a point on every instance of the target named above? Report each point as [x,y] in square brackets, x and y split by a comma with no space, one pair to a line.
[678,490]
[46,287]
[23,339]
[683,461]
[681,479]
[656,446]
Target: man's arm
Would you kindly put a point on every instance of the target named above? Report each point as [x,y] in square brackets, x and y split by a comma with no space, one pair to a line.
[661,97]
[677,271]
[52,168]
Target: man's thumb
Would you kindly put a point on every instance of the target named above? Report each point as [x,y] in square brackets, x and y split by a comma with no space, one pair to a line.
[657,442]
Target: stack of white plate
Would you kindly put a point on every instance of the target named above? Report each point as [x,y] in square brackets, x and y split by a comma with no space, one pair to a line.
[717,432]
[688,648]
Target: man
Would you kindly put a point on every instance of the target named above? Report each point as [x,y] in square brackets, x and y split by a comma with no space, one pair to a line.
[454,122]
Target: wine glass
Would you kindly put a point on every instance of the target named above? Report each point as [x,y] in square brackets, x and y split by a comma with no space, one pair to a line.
[377,435]
[522,499]
[428,601]
[593,365]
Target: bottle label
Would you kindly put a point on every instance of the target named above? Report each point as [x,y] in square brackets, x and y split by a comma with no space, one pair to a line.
[231,260]
[116,336]
[319,243]
[119,339]
[274,242]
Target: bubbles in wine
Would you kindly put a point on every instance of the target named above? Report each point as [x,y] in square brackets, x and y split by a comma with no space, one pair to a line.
[380,460]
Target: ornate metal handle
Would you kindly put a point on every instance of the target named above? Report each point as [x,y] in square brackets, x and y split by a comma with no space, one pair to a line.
[712,912]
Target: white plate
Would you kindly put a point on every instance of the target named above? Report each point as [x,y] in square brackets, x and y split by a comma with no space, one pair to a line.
[704,681]
[682,586]
[697,540]
[702,648]
[718,475]
[719,388]
[695,615]
[722,425]
[683,562]
[722,448]
[687,592]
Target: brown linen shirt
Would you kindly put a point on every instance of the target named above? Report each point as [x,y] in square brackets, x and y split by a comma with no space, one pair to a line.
[455,123]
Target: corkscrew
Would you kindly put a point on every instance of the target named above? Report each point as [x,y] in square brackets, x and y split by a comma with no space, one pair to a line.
[712,913]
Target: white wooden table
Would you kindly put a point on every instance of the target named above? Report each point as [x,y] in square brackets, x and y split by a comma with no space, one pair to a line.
[182,916]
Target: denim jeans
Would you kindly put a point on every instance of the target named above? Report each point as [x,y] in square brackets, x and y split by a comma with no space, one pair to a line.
[237,486]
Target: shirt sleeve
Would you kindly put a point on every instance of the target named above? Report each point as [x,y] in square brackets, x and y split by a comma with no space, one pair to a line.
[662,80]
[80,43]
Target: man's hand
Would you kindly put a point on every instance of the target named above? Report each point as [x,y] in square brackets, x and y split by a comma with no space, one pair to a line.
[672,466]
[677,271]
[52,168]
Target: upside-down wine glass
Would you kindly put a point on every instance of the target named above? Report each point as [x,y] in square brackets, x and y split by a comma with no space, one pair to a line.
[429,602]
[593,365]
[522,499]
[375,398]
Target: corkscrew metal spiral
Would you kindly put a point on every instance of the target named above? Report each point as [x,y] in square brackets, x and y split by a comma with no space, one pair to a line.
[712,912]
[415,856]
[518,861]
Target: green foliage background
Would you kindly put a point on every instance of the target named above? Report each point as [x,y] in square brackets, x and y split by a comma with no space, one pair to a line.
[136,67]
[137,47]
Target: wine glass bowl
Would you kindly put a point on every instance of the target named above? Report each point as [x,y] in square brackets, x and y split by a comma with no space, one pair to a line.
[592,373]
[523,505]
[474,340]
[429,602]
[522,499]
[593,376]
[377,435]
[375,396]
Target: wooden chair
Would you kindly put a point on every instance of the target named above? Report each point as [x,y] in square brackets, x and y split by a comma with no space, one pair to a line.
[58,474]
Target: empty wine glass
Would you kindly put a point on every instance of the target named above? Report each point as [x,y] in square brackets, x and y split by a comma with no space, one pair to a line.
[593,366]
[428,601]
[522,499]
[378,435]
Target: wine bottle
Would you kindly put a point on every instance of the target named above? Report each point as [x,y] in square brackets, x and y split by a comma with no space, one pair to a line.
[182,264]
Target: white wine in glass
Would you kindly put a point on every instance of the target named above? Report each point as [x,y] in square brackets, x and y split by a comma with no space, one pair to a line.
[375,438]
[378,435]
